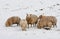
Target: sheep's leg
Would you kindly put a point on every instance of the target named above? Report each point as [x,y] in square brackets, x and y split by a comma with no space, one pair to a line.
[28,25]
[53,25]
[31,25]
[17,24]
[56,25]
[41,27]
[34,25]
[23,29]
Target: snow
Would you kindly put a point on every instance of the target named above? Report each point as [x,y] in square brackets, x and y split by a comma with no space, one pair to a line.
[20,8]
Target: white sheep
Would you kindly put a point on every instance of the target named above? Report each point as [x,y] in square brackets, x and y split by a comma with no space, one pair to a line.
[23,24]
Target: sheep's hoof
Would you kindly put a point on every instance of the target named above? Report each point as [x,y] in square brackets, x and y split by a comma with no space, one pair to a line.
[39,28]
[23,29]
[47,28]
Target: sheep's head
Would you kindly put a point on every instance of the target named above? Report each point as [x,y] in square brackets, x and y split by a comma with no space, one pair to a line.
[38,20]
[28,16]
[40,17]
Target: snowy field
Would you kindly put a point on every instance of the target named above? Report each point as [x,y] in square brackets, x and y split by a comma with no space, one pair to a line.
[20,8]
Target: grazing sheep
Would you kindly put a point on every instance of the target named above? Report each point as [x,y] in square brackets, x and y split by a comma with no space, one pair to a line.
[12,20]
[42,23]
[23,24]
[50,18]
[31,19]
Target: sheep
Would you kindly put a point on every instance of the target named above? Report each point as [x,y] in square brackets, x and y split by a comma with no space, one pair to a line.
[23,24]
[42,23]
[31,19]
[12,20]
[50,18]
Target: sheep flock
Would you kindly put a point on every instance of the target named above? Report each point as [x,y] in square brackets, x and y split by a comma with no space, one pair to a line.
[43,21]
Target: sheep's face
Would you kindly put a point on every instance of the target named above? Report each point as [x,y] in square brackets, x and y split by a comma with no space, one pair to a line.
[38,20]
[40,16]
[29,15]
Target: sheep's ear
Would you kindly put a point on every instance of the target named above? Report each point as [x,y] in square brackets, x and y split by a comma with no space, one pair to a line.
[27,14]
[40,16]
[42,13]
[30,14]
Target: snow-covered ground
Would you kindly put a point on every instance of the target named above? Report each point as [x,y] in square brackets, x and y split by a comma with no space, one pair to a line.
[20,8]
